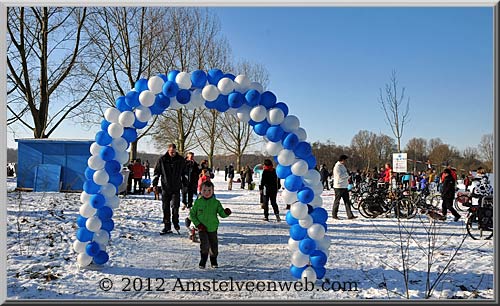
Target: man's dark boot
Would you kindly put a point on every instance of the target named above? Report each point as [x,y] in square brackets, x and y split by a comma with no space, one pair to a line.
[203,261]
[213,262]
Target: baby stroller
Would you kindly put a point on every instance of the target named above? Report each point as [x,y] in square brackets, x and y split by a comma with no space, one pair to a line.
[192,230]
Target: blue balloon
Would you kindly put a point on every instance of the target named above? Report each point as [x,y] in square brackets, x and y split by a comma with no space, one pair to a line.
[102,138]
[252,123]
[108,225]
[290,141]
[307,246]
[302,150]
[230,76]
[320,272]
[84,235]
[170,89]
[162,101]
[172,75]
[112,167]
[97,200]
[101,258]
[267,99]
[116,179]
[210,105]
[198,78]
[107,153]
[252,97]
[89,173]
[297,232]
[291,220]
[274,133]
[283,171]
[296,271]
[138,125]
[105,124]
[130,134]
[183,96]
[91,187]
[293,182]
[283,107]
[141,85]
[261,128]
[121,104]
[235,99]
[80,221]
[305,195]
[105,213]
[221,103]
[275,158]
[92,248]
[132,99]
[311,161]
[214,76]
[319,215]
[155,109]
[310,209]
[318,258]
[163,77]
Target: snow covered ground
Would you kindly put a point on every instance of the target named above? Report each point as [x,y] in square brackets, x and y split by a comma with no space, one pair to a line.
[364,260]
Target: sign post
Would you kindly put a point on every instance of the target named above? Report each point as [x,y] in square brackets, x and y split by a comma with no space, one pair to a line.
[399,162]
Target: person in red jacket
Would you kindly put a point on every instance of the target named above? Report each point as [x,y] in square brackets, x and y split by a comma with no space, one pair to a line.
[138,172]
[387,175]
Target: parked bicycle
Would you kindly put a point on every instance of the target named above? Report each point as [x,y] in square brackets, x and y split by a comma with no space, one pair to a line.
[479,222]
[463,201]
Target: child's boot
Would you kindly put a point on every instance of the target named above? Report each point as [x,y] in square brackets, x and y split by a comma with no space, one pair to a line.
[213,262]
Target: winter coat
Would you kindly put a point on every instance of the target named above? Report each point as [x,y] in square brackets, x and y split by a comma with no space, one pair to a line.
[191,173]
[324,174]
[340,176]
[248,175]
[269,181]
[201,180]
[230,172]
[205,211]
[171,169]
[138,170]
[448,188]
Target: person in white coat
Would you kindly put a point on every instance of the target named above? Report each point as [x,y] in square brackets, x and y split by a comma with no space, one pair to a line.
[340,182]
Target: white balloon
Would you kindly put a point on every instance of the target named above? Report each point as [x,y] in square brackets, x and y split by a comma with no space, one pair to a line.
[309,275]
[210,93]
[122,157]
[95,162]
[275,116]
[312,177]
[115,130]
[317,201]
[290,123]
[293,245]
[85,197]
[143,113]
[126,118]
[112,114]
[299,259]
[155,84]
[113,202]
[95,149]
[197,98]
[87,211]
[174,104]
[101,237]
[147,98]
[242,83]
[226,86]
[84,259]
[101,177]
[289,197]
[93,224]
[323,244]
[273,148]
[108,190]
[316,231]
[300,167]
[318,189]
[183,79]
[306,222]
[102,247]
[258,113]
[79,246]
[301,134]
[243,113]
[286,157]
[257,86]
[298,210]
[119,144]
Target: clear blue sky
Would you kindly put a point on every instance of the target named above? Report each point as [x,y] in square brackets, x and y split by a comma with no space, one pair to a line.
[329,63]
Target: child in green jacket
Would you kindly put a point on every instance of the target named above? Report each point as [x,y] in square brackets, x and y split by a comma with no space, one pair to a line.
[203,214]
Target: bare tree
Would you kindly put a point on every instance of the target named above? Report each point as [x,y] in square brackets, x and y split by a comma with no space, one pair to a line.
[487,150]
[416,148]
[384,146]
[236,136]
[47,57]
[363,143]
[392,104]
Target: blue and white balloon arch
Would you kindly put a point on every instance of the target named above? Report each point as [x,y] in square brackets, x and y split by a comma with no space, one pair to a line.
[285,140]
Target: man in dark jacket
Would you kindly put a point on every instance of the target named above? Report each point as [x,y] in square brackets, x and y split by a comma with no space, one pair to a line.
[170,167]
[191,174]
[269,186]
[448,194]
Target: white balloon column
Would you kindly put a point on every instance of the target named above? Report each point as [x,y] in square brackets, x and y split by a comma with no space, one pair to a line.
[285,140]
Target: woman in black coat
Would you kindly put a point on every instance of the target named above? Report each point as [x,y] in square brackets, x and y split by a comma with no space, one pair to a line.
[448,195]
[269,185]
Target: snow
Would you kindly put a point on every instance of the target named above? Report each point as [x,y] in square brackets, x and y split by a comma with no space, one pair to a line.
[365,253]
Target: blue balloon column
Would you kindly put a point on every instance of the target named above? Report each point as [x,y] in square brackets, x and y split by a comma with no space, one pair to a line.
[285,141]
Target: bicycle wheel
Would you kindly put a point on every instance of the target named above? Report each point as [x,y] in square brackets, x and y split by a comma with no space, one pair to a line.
[474,230]
[434,201]
[364,209]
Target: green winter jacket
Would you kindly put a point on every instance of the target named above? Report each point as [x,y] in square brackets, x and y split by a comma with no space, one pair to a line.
[205,211]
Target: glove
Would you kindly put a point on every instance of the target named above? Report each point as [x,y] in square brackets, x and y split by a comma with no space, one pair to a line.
[228,211]
[202,228]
